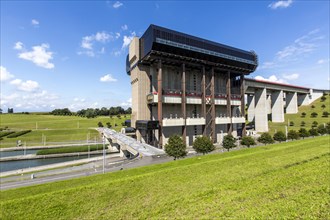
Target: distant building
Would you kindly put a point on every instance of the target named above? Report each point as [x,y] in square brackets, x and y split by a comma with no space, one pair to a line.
[186,85]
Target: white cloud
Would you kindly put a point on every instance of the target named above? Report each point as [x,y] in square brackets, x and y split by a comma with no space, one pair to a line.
[5,74]
[272,78]
[128,103]
[117,35]
[127,40]
[34,23]
[27,86]
[124,27]
[292,76]
[39,56]
[102,37]
[87,42]
[117,4]
[108,78]
[19,45]
[322,61]
[280,4]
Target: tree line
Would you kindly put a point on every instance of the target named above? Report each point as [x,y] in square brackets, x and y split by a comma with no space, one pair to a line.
[92,113]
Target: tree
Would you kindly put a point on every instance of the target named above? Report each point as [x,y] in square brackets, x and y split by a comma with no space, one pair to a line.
[279,136]
[321,130]
[302,124]
[325,114]
[313,106]
[293,135]
[0,110]
[314,114]
[323,98]
[323,106]
[265,138]
[291,123]
[175,147]
[203,145]
[108,124]
[314,124]
[248,141]
[303,114]
[228,142]
[303,133]
[313,132]
[100,125]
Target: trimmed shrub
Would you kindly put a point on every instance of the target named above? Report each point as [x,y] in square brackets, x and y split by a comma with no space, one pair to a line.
[303,114]
[325,114]
[314,124]
[19,133]
[279,136]
[228,142]
[266,138]
[247,141]
[322,130]
[203,145]
[5,133]
[293,135]
[302,124]
[303,133]
[314,114]
[291,123]
[313,132]
[175,147]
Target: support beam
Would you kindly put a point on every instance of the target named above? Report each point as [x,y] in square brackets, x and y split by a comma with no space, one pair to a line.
[213,106]
[303,99]
[251,107]
[261,121]
[183,103]
[291,103]
[203,100]
[277,106]
[160,104]
[230,125]
[243,104]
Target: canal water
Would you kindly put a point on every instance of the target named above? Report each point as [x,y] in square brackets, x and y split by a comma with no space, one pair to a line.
[16,153]
[23,164]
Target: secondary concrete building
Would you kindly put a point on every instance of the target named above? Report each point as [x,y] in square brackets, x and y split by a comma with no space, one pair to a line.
[189,86]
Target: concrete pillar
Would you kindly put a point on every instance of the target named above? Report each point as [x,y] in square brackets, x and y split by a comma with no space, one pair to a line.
[303,99]
[183,104]
[277,106]
[251,107]
[160,104]
[261,120]
[291,103]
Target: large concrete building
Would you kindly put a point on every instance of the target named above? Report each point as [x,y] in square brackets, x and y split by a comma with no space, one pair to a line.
[186,85]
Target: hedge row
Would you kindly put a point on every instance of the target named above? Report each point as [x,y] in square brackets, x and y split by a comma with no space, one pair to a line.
[5,133]
[75,149]
[19,133]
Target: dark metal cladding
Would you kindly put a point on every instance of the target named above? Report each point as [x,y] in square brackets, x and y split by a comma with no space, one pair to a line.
[165,40]
[146,124]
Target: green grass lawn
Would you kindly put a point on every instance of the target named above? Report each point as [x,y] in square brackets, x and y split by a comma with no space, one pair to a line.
[280,181]
[55,128]
[297,118]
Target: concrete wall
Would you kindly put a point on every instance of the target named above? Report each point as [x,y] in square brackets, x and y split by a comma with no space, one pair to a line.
[261,120]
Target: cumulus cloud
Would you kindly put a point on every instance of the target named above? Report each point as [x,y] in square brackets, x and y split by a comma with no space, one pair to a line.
[128,103]
[272,78]
[27,86]
[19,45]
[39,55]
[292,76]
[5,74]
[107,78]
[322,61]
[124,27]
[34,23]
[117,4]
[127,40]
[87,42]
[280,4]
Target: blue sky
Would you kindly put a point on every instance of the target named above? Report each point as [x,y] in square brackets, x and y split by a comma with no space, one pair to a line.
[57,54]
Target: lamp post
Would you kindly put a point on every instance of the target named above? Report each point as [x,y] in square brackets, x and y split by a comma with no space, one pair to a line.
[103,154]
[286,133]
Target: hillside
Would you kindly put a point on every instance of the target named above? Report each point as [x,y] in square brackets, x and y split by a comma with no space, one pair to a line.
[297,119]
[55,128]
[289,180]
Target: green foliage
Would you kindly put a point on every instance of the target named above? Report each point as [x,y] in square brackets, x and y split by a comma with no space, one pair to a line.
[293,135]
[303,133]
[18,133]
[321,129]
[228,142]
[314,114]
[266,138]
[302,124]
[313,106]
[248,141]
[303,114]
[108,125]
[313,132]
[100,124]
[64,111]
[325,114]
[71,149]
[291,123]
[281,181]
[323,106]
[314,124]
[203,145]
[5,133]
[175,147]
[279,136]
[323,98]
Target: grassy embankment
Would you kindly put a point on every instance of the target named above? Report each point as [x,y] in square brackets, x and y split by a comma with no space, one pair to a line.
[308,119]
[56,128]
[71,149]
[288,180]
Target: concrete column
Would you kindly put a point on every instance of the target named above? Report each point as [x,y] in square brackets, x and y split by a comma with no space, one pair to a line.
[203,99]
[291,103]
[251,107]
[277,106]
[243,104]
[261,122]
[303,99]
[213,106]
[229,126]
[160,104]
[183,104]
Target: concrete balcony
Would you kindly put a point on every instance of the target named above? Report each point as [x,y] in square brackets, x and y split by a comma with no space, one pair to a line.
[173,121]
[173,99]
[235,102]
[222,120]
[220,101]
[235,99]
[195,121]
[238,120]
[193,100]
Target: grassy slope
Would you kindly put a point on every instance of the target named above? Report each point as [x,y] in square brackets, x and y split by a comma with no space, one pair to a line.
[56,128]
[289,180]
[297,119]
